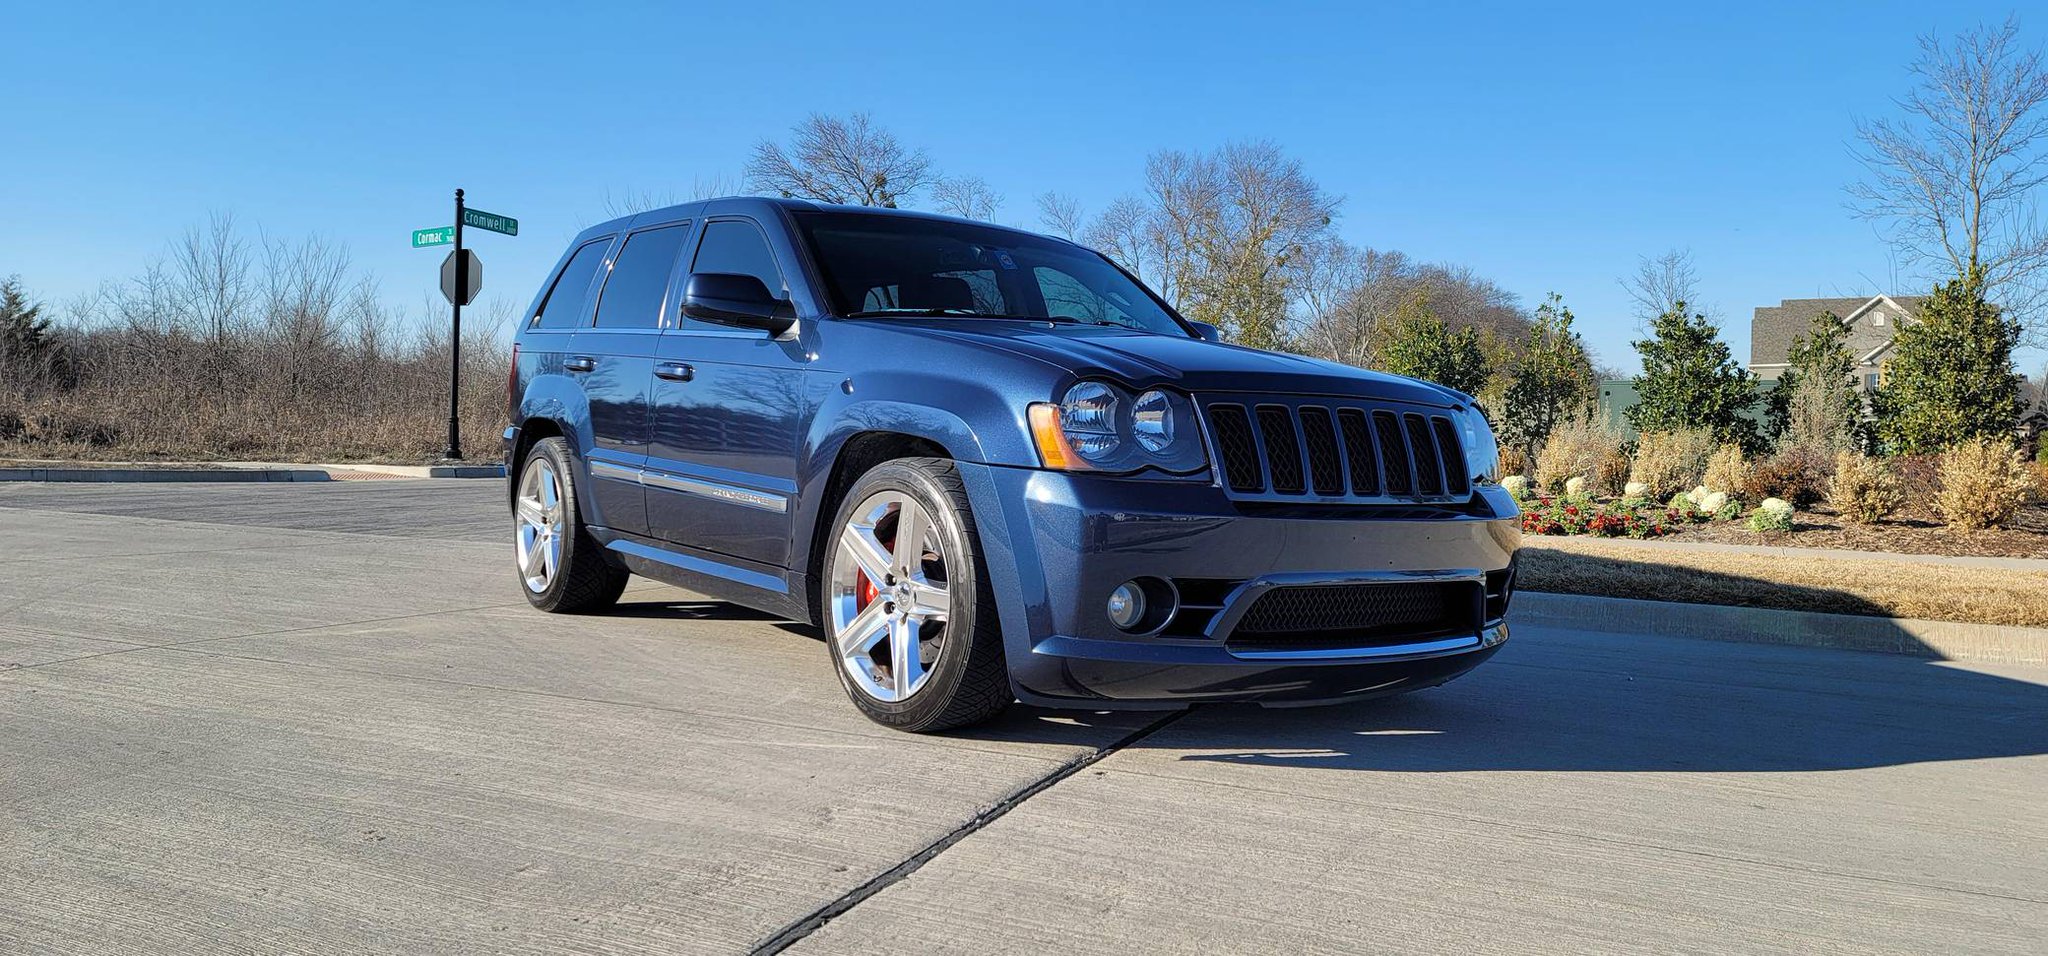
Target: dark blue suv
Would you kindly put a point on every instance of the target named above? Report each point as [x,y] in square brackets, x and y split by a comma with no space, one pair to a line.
[992,466]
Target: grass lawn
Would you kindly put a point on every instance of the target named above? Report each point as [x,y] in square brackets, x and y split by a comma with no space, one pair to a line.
[1885,588]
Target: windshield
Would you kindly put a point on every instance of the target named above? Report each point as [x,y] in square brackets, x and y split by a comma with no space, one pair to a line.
[878,266]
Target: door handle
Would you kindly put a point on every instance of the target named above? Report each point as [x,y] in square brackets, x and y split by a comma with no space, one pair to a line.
[674,371]
[579,363]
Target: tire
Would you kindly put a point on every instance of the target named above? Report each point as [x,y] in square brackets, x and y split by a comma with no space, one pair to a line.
[957,676]
[561,568]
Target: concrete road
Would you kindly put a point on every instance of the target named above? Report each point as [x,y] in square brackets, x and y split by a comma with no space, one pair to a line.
[320,718]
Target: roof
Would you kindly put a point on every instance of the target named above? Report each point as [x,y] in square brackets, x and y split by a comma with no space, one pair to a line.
[759,205]
[1774,328]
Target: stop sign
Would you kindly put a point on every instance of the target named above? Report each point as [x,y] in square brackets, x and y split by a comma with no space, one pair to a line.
[462,277]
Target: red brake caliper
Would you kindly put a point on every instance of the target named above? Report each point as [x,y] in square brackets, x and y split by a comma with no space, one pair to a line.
[864,590]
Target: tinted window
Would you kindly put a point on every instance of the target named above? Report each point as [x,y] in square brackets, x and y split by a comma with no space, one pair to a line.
[563,307]
[879,265]
[632,295]
[739,248]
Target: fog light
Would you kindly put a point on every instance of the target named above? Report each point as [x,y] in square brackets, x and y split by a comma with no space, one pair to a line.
[1127,605]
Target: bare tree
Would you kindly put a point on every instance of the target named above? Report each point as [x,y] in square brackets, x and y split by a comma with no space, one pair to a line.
[210,292]
[1954,174]
[1346,297]
[1120,233]
[634,201]
[1229,229]
[1061,214]
[968,197]
[840,160]
[1660,281]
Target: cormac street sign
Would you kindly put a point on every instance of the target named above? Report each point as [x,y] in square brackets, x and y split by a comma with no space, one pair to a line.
[477,219]
[462,277]
[437,236]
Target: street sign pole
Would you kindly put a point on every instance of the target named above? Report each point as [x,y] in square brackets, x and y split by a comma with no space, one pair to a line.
[454,450]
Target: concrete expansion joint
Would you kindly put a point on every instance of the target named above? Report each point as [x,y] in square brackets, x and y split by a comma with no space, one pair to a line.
[795,932]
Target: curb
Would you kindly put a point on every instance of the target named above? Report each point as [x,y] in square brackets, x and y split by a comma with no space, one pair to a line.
[162,474]
[466,471]
[306,473]
[1938,640]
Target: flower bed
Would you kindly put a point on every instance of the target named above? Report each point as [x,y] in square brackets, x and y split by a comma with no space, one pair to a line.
[1618,519]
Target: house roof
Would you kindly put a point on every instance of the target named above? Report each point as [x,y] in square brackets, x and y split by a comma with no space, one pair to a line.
[1772,330]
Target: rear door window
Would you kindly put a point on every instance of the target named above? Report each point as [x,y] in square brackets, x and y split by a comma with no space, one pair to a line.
[633,294]
[563,307]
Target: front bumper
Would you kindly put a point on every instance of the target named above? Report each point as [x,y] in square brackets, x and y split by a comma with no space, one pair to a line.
[1056,544]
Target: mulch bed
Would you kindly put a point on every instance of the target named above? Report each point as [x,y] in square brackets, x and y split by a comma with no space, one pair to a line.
[1910,532]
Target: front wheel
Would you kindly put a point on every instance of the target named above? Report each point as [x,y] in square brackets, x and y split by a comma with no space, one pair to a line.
[910,617]
[561,567]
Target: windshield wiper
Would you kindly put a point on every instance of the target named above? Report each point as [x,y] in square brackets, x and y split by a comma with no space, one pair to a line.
[914,313]
[971,314]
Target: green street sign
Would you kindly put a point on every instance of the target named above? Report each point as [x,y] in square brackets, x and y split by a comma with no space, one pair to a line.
[438,236]
[478,219]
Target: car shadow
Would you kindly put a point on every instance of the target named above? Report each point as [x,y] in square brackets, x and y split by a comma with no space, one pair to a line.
[1569,698]
[688,610]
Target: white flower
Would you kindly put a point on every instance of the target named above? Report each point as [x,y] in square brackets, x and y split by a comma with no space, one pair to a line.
[1778,507]
[1635,489]
[1713,503]
[1574,487]
[1516,485]
[1698,494]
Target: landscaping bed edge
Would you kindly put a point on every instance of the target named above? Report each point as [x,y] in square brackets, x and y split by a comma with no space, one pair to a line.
[1940,640]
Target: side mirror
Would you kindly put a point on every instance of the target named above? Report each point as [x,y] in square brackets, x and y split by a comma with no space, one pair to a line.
[1206,332]
[739,300]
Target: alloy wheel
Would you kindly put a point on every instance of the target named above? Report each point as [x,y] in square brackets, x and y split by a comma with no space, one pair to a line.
[539,513]
[889,601]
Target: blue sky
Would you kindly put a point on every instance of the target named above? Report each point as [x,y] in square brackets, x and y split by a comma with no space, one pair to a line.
[1546,150]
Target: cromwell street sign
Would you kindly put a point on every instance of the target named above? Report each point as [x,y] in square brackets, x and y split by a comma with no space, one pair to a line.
[478,219]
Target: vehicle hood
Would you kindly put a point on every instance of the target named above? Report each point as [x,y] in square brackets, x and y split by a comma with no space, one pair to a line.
[1144,359]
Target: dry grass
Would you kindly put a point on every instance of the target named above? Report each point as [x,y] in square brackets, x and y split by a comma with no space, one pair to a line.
[1877,588]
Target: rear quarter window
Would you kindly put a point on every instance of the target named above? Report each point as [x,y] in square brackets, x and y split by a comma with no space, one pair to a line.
[562,307]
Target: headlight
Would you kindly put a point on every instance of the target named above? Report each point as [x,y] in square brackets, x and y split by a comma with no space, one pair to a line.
[1153,422]
[1097,426]
[1482,450]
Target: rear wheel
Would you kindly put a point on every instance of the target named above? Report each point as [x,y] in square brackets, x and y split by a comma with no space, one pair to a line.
[909,615]
[561,567]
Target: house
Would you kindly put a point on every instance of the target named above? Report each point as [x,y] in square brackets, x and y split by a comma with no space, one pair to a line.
[1873,321]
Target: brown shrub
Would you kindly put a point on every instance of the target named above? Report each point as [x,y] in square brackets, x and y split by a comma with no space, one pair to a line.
[1864,490]
[1797,473]
[1612,474]
[1671,462]
[1575,449]
[1727,470]
[1513,461]
[1983,485]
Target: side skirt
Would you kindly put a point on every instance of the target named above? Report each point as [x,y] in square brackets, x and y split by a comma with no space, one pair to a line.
[773,590]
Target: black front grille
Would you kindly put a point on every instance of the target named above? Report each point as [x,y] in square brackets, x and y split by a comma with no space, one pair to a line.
[1358,615]
[1237,447]
[1283,453]
[1313,451]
